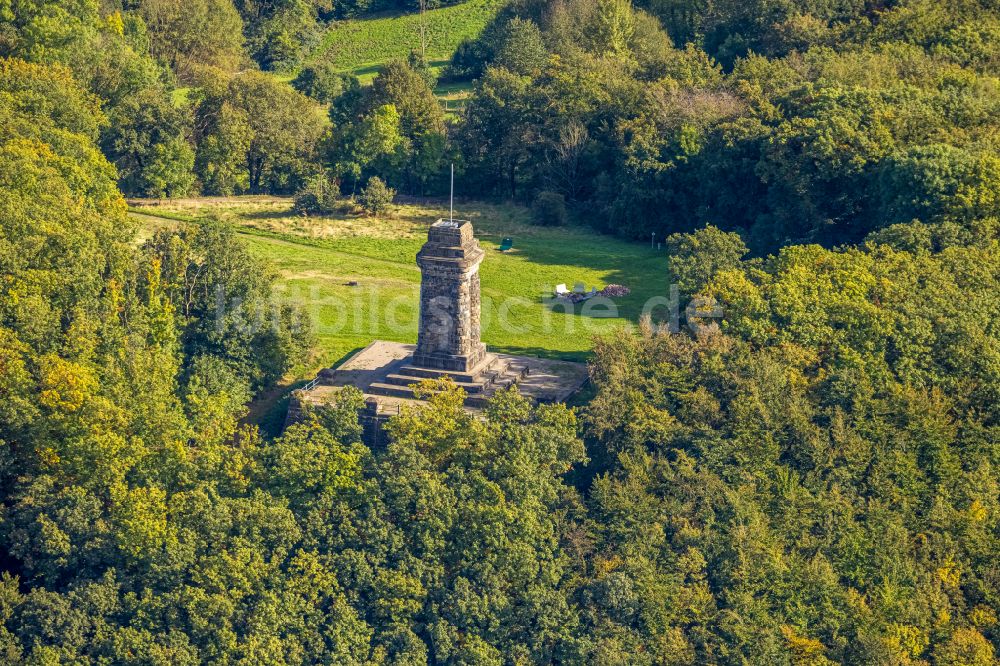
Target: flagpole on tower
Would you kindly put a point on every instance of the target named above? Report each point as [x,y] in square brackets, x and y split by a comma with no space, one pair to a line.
[451,202]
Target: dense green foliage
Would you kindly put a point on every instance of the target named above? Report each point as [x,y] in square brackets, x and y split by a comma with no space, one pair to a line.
[320,196]
[787,121]
[223,302]
[322,82]
[395,128]
[827,124]
[255,134]
[815,480]
[550,209]
[192,36]
[806,472]
[109,55]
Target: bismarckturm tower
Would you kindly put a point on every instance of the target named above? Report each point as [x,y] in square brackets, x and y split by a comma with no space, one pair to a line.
[390,374]
[448,337]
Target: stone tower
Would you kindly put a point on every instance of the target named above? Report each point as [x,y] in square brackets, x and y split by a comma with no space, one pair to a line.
[448,344]
[448,338]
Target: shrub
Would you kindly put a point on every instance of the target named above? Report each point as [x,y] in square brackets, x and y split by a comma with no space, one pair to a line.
[550,209]
[376,196]
[319,197]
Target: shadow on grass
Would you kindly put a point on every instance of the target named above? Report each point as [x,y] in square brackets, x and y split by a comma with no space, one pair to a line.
[598,252]
[635,265]
[343,359]
[643,269]
[539,352]
[652,301]
[367,70]
[451,87]
[268,214]
[646,277]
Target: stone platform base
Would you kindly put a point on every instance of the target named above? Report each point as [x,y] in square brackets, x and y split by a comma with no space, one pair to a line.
[385,373]
[480,383]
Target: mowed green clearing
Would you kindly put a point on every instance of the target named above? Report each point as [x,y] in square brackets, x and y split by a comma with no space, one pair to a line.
[362,46]
[318,257]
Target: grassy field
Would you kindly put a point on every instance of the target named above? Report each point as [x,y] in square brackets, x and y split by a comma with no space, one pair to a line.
[317,258]
[361,46]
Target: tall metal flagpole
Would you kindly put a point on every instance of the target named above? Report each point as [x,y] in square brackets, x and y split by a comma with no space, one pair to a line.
[451,203]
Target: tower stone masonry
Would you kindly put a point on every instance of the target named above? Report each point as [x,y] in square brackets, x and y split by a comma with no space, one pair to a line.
[449,334]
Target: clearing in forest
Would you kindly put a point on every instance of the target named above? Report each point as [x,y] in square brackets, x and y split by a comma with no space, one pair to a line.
[319,257]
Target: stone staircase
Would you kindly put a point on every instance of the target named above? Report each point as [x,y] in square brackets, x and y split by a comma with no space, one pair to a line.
[480,385]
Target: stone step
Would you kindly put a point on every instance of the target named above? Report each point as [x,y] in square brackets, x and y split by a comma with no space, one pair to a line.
[390,390]
[495,365]
[406,380]
[479,399]
[500,365]
[504,382]
[431,373]
[497,380]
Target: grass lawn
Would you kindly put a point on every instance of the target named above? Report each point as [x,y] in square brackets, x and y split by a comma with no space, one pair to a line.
[361,46]
[317,258]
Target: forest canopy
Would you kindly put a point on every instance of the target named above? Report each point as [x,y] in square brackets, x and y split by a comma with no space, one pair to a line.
[807,476]
[787,122]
